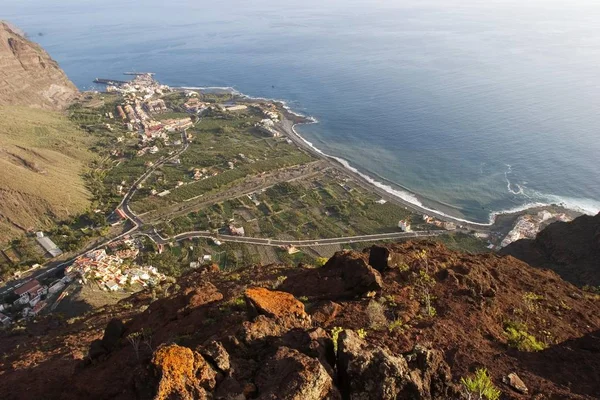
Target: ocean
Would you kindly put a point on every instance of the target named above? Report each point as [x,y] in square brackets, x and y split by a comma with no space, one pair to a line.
[467,107]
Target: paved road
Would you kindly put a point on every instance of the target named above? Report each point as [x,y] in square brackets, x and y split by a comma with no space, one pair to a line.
[297,243]
[138,225]
[123,205]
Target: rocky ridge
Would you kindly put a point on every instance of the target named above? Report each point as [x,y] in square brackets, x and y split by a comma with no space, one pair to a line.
[29,76]
[360,327]
[571,249]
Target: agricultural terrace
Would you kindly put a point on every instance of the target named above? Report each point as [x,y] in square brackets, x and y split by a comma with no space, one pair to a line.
[225,149]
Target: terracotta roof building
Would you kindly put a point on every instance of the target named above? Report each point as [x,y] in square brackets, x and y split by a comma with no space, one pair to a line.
[32,288]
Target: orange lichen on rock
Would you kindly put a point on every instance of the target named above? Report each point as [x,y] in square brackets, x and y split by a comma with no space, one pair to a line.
[274,303]
[182,373]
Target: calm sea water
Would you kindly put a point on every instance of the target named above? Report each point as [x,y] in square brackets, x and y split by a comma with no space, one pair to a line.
[475,106]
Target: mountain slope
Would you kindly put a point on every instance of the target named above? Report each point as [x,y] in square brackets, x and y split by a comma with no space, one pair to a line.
[42,154]
[28,76]
[571,249]
[246,334]
[42,157]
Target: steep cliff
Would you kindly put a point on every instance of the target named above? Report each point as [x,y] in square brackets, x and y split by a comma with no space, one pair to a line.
[42,154]
[571,249]
[28,76]
[404,321]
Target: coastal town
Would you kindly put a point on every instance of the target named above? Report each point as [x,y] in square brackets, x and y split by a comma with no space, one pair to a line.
[199,178]
[111,268]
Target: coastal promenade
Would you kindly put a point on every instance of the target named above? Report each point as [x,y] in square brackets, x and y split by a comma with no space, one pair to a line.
[287,128]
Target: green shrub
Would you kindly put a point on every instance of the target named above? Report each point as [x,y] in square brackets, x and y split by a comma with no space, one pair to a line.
[396,324]
[335,332]
[320,261]
[279,281]
[531,301]
[519,338]
[239,303]
[481,385]
[361,333]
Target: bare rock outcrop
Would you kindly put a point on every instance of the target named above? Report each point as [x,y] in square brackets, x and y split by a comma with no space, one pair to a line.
[181,373]
[368,372]
[112,335]
[325,312]
[28,76]
[292,375]
[346,275]
[379,257]
[216,353]
[275,313]
[571,249]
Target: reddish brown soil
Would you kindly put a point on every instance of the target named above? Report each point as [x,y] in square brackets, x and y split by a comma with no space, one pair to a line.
[473,296]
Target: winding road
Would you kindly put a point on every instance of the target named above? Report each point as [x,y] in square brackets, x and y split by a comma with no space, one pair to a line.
[138,225]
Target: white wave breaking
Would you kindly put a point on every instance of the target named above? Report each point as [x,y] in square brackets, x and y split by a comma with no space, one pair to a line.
[584,206]
[520,189]
[403,195]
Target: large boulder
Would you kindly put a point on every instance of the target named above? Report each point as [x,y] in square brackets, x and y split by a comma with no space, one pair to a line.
[291,375]
[315,343]
[263,327]
[274,304]
[97,350]
[379,258]
[430,374]
[358,277]
[201,295]
[346,275]
[216,353]
[181,373]
[275,314]
[368,372]
[112,334]
[371,372]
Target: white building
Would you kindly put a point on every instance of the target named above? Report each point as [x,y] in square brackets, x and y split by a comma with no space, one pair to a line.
[404,225]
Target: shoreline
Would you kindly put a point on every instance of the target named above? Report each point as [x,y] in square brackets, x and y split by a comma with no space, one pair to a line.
[368,183]
[386,189]
[388,193]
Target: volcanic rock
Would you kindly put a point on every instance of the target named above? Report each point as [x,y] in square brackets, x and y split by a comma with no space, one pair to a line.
[181,373]
[366,371]
[571,249]
[346,275]
[516,383]
[379,258]
[203,294]
[325,312]
[112,334]
[28,76]
[216,353]
[291,375]
[274,304]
